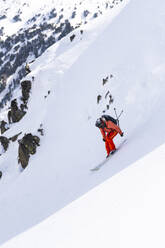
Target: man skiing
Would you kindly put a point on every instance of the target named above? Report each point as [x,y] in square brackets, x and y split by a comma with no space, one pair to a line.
[109,129]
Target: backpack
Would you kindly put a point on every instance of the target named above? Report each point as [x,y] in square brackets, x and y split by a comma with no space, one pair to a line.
[110,118]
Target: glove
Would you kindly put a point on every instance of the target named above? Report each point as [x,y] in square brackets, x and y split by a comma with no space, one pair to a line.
[122,134]
[104,140]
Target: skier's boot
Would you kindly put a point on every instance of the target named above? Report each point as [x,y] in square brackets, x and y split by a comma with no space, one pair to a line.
[113,151]
[107,155]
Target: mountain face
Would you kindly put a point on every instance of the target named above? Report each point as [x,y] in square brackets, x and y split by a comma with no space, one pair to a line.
[39,46]
[27,29]
[49,142]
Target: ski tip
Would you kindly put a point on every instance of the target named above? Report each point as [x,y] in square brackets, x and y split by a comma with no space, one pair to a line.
[95,168]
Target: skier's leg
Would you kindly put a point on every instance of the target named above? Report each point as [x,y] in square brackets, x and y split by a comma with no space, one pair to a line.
[113,134]
[110,137]
[107,147]
[111,145]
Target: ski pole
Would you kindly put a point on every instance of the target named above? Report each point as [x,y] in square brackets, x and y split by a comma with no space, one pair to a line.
[118,116]
[115,113]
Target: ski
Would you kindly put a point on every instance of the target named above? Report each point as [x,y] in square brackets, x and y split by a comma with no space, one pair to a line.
[96,168]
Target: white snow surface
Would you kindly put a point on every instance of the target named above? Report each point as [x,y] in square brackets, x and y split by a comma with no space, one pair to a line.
[131,48]
[125,211]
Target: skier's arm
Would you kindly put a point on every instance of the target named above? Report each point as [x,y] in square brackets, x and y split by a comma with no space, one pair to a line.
[103,133]
[117,128]
[111,125]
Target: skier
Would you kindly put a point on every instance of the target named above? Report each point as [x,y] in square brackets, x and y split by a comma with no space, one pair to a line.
[109,129]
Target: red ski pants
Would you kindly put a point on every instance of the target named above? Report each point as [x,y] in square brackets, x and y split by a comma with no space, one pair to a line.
[109,144]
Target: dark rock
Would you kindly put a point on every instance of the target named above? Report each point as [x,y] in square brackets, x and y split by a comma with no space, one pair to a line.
[15,114]
[1,31]
[12,57]
[23,156]
[14,105]
[2,17]
[47,94]
[3,126]
[5,142]
[86,13]
[16,18]
[107,94]
[26,87]
[0,174]
[105,80]
[50,41]
[23,107]
[99,98]
[27,145]
[52,14]
[3,80]
[67,28]
[111,100]
[14,138]
[73,14]
[41,131]
[95,15]
[72,37]
[33,19]
[60,17]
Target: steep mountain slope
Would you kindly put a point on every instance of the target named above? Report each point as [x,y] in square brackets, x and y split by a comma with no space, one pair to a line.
[130,52]
[47,170]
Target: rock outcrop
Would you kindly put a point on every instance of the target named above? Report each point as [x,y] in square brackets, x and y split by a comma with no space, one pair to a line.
[15,137]
[27,146]
[3,126]
[4,142]
[26,87]
[15,114]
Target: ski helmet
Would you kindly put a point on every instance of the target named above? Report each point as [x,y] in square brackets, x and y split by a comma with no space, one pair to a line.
[100,123]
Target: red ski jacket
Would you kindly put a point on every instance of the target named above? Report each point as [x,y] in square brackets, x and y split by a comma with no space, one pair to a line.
[110,126]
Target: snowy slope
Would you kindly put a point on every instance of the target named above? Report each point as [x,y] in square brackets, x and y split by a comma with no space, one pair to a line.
[128,49]
[125,211]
